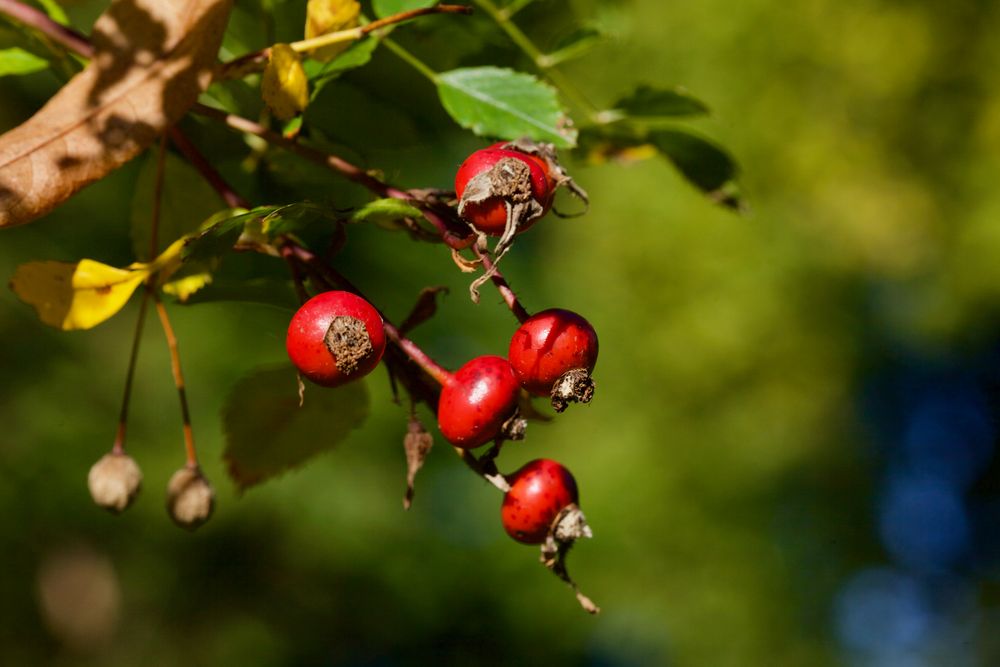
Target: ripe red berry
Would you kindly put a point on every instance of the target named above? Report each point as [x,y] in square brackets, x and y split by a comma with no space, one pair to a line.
[335,337]
[539,491]
[495,178]
[554,348]
[476,401]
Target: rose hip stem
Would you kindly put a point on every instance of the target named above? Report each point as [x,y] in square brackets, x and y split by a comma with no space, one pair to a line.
[373,184]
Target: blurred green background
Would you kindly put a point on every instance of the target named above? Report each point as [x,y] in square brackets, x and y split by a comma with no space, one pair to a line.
[790,459]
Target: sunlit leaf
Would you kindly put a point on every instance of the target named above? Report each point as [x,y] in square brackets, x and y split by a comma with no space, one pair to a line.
[267,433]
[646,102]
[386,212]
[295,218]
[326,16]
[183,287]
[77,295]
[383,8]
[16,61]
[284,85]
[497,102]
[55,11]
[152,61]
[220,234]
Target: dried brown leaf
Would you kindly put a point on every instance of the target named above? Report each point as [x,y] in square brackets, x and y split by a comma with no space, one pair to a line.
[152,59]
[417,443]
[423,309]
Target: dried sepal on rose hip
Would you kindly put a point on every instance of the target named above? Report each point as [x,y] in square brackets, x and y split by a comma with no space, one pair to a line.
[114,481]
[335,337]
[505,188]
[541,507]
[553,354]
[190,498]
[478,403]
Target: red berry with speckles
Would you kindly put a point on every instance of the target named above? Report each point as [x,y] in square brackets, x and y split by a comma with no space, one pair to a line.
[554,348]
[539,491]
[335,337]
[495,179]
[476,401]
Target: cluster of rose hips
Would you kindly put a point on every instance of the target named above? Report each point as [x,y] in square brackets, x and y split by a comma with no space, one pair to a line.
[337,337]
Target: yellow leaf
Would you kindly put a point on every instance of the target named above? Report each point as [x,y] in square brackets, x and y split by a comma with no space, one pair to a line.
[184,287]
[325,16]
[284,86]
[75,296]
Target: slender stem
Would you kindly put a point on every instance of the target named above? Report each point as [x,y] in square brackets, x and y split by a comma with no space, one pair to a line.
[541,62]
[154,225]
[514,7]
[256,61]
[486,469]
[207,171]
[343,167]
[300,289]
[57,32]
[413,61]
[440,374]
[509,298]
[133,357]
[175,367]
[349,171]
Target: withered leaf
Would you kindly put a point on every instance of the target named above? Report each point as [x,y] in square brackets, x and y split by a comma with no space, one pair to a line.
[417,443]
[423,309]
[152,59]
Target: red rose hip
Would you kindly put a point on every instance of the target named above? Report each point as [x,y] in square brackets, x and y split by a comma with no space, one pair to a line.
[335,337]
[494,179]
[476,401]
[539,491]
[553,353]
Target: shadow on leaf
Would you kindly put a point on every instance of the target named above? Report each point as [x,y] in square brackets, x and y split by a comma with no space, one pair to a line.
[267,433]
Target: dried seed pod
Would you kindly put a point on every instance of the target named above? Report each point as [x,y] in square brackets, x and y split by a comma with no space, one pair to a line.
[114,481]
[190,498]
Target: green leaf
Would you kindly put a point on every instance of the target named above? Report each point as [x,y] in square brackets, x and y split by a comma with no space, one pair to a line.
[220,234]
[573,45]
[267,433]
[295,218]
[386,212]
[358,55]
[186,202]
[502,103]
[648,102]
[16,61]
[385,8]
[703,163]
[55,11]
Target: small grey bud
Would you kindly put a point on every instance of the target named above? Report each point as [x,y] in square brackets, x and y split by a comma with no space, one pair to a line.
[190,498]
[114,481]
